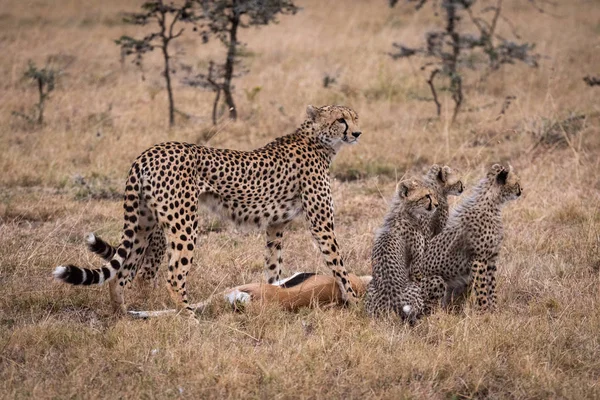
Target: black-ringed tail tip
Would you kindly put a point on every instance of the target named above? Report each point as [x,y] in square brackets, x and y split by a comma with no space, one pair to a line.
[90,239]
[98,246]
[406,309]
[80,276]
[61,273]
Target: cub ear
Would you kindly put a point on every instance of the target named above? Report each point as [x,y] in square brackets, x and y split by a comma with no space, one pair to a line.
[445,171]
[434,171]
[404,187]
[496,169]
[312,112]
[501,177]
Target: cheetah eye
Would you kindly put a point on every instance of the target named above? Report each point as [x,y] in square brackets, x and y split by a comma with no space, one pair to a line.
[341,120]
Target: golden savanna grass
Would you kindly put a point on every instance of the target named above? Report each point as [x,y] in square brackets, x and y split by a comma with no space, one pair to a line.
[62,180]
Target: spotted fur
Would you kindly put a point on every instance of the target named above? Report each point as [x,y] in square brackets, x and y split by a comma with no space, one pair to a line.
[265,188]
[397,243]
[147,266]
[464,254]
[444,182]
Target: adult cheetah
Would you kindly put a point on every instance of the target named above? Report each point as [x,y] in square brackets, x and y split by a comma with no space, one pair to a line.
[397,243]
[266,188]
[465,252]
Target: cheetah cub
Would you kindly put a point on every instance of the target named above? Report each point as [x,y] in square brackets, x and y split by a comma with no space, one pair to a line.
[444,182]
[397,243]
[465,252]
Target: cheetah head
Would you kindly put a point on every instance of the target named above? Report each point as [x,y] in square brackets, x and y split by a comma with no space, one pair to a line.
[334,125]
[446,179]
[416,196]
[505,182]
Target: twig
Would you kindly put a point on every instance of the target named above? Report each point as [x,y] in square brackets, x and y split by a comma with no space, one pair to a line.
[433,92]
[457,95]
[507,101]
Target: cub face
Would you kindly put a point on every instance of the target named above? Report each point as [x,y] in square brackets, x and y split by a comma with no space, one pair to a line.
[418,199]
[506,182]
[447,179]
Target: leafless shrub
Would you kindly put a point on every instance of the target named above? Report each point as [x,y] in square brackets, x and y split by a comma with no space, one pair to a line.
[222,19]
[45,79]
[166,17]
[450,50]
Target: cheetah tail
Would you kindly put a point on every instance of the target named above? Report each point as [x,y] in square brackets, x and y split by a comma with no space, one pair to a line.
[84,276]
[98,246]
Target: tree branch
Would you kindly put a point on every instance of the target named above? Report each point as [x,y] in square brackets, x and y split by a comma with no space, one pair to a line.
[433,92]
[177,34]
[175,19]
[495,18]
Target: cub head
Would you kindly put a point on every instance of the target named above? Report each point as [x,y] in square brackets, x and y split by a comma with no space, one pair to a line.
[418,199]
[445,179]
[505,181]
[334,125]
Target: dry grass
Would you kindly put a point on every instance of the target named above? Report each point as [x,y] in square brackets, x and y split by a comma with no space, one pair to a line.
[61,342]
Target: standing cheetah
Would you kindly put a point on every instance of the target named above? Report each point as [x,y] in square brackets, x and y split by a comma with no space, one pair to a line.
[397,243]
[265,188]
[465,252]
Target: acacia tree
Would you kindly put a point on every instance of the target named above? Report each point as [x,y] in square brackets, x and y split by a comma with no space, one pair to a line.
[166,17]
[222,19]
[449,51]
[45,80]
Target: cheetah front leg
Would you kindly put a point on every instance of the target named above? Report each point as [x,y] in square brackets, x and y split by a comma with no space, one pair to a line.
[273,259]
[318,208]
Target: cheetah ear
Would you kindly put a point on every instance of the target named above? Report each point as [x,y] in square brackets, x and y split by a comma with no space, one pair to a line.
[496,169]
[403,188]
[443,174]
[434,170]
[501,177]
[312,112]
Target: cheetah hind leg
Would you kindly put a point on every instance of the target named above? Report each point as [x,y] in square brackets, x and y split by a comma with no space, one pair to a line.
[125,276]
[140,238]
[180,251]
[152,260]
[147,266]
[479,271]
[491,283]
